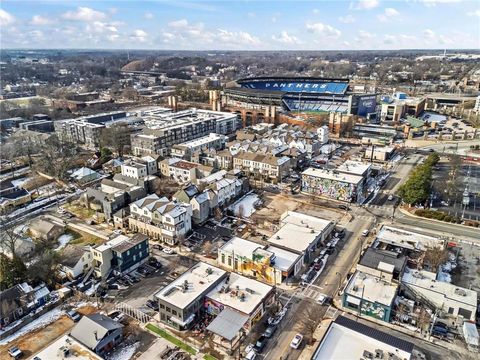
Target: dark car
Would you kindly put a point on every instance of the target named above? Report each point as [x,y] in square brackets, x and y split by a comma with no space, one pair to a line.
[269,331]
[152,305]
[75,316]
[343,207]
[260,343]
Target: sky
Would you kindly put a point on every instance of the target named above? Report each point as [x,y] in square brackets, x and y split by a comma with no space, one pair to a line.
[240,25]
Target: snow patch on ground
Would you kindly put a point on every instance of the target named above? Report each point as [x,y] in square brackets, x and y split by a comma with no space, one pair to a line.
[63,240]
[41,322]
[248,202]
[124,353]
[19,182]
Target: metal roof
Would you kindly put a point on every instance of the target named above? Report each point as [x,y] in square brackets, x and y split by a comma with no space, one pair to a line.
[375,334]
[228,323]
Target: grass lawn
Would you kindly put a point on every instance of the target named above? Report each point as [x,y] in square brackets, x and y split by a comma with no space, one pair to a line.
[79,210]
[172,339]
[209,357]
[81,238]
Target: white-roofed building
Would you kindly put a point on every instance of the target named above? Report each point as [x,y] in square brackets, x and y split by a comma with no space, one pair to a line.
[424,287]
[370,295]
[349,339]
[301,233]
[409,240]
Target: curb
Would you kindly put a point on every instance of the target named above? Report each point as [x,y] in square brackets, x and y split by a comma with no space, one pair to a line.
[406,212]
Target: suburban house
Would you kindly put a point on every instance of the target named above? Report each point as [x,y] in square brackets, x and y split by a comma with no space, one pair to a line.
[19,300]
[183,171]
[12,196]
[160,218]
[119,255]
[98,332]
[46,229]
[84,175]
[139,168]
[75,261]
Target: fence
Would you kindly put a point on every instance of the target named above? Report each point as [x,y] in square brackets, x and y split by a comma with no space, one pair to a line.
[133,313]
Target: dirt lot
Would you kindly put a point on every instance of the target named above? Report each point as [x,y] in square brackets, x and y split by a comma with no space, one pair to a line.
[81,238]
[34,341]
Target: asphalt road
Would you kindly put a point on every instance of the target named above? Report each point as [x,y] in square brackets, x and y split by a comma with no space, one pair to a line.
[334,274]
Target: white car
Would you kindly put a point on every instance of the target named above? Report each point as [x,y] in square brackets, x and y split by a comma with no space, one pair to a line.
[390,197]
[168,251]
[365,232]
[251,355]
[296,341]
[249,348]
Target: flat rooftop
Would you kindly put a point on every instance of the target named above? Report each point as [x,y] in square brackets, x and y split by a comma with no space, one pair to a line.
[77,351]
[312,222]
[438,290]
[333,175]
[349,339]
[406,239]
[371,288]
[203,140]
[191,284]
[240,293]
[241,247]
[354,167]
[284,259]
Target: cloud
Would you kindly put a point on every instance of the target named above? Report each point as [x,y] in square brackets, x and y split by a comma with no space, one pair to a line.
[362,34]
[474,13]
[183,23]
[388,15]
[240,37]
[348,19]
[101,27]
[139,35]
[39,20]
[429,34]
[364,4]
[148,15]
[285,38]
[316,11]
[432,3]
[323,29]
[84,14]
[6,18]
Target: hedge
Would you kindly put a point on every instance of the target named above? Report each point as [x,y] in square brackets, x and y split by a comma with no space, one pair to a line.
[172,339]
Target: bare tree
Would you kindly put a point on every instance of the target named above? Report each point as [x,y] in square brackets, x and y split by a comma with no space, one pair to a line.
[116,137]
[309,322]
[435,256]
[423,320]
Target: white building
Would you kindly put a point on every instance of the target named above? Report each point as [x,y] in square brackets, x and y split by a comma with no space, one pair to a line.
[301,233]
[139,168]
[323,134]
[349,339]
[161,218]
[211,141]
[452,299]
[406,239]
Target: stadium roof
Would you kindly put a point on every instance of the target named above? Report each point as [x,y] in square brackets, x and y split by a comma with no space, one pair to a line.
[293,78]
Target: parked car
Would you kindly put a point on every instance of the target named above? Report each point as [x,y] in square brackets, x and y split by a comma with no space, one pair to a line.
[343,207]
[251,355]
[152,305]
[296,341]
[249,348]
[157,246]
[15,352]
[75,316]
[260,343]
[155,263]
[390,197]
[168,251]
[269,331]
[365,232]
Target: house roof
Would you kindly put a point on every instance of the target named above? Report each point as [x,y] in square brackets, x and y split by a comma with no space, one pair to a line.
[373,257]
[71,254]
[83,172]
[92,327]
[11,298]
[43,226]
[228,323]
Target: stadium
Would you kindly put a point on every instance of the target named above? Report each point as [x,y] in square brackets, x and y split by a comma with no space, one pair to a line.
[302,94]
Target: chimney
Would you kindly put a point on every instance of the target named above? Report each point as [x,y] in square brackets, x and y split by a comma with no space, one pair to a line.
[96,335]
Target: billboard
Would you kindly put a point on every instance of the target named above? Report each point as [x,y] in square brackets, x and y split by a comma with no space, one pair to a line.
[366,105]
[306,87]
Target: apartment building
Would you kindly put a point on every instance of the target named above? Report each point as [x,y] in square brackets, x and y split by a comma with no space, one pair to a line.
[160,218]
[139,168]
[186,149]
[164,130]
[119,255]
[262,167]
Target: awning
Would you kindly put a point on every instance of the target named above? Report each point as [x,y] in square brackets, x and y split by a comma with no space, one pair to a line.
[228,323]
[353,300]
[182,323]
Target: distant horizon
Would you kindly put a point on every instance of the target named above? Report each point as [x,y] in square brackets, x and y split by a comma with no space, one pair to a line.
[201,25]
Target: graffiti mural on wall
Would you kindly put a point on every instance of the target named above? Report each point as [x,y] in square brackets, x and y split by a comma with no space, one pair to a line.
[332,188]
